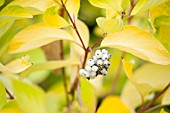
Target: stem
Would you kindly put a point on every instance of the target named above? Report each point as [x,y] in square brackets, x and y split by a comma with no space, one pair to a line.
[117,74]
[153,100]
[99,40]
[85,57]
[10,95]
[74,25]
[153,108]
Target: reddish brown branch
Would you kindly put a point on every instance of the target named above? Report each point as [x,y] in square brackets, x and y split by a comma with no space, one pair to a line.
[98,41]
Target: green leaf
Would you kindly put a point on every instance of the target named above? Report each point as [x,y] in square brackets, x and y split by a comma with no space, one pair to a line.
[11,104]
[35,36]
[144,5]
[125,4]
[163,111]
[166,98]
[113,104]
[52,18]
[162,21]
[139,43]
[13,110]
[30,98]
[86,96]
[15,12]
[2,2]
[110,25]
[2,96]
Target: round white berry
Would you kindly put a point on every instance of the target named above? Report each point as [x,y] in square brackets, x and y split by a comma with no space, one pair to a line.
[92,77]
[106,63]
[88,68]
[98,54]
[94,68]
[99,62]
[86,74]
[90,62]
[104,72]
[104,51]
[109,56]
[105,57]
[81,72]
[92,73]
[94,59]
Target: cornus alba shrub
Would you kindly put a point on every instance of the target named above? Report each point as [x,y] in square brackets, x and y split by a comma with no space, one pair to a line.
[132,30]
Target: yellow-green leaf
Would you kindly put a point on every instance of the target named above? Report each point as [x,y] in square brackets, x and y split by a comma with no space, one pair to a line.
[52,18]
[16,66]
[2,96]
[110,25]
[125,4]
[15,11]
[139,43]
[73,7]
[163,111]
[41,5]
[144,5]
[30,98]
[84,33]
[86,96]
[113,104]
[2,2]
[36,36]
[13,110]
[166,98]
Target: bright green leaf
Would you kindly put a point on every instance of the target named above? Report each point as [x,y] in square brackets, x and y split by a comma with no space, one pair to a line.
[163,111]
[110,25]
[113,104]
[30,98]
[139,43]
[16,66]
[36,36]
[3,99]
[166,98]
[84,33]
[15,11]
[2,2]
[125,4]
[52,18]
[87,96]
[144,5]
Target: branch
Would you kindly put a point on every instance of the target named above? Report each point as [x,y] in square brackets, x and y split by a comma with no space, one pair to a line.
[10,95]
[99,40]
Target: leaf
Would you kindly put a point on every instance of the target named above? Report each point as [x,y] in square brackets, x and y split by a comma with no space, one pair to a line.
[84,33]
[41,5]
[110,25]
[144,5]
[86,96]
[2,2]
[52,18]
[163,111]
[11,104]
[73,6]
[51,65]
[16,66]
[15,110]
[113,104]
[125,4]
[15,12]
[166,98]
[29,97]
[139,43]
[2,96]
[35,36]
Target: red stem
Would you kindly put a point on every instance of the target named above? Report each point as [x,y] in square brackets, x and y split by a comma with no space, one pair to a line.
[99,40]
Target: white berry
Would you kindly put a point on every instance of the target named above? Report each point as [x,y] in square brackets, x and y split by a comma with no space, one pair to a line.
[88,68]
[86,74]
[105,57]
[106,63]
[93,73]
[109,56]
[98,54]
[94,68]
[81,72]
[90,62]
[99,62]
[95,59]
[104,51]
[92,77]
[104,71]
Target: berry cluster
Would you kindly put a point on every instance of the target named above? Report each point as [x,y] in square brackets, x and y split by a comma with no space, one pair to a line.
[99,64]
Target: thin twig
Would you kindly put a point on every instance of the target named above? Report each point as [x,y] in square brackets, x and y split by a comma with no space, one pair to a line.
[85,57]
[99,40]
[10,95]
[153,108]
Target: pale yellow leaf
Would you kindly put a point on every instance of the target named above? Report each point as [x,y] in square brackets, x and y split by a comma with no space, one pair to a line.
[144,5]
[35,36]
[166,98]
[113,104]
[139,43]
[52,18]
[2,2]
[163,111]
[110,25]
[41,5]
[16,66]
[73,6]
[84,33]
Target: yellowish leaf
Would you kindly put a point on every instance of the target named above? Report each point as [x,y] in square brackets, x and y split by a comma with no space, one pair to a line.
[163,111]
[11,110]
[110,25]
[139,43]
[84,33]
[52,18]
[36,36]
[16,66]
[2,2]
[41,5]
[3,97]
[125,4]
[73,6]
[113,104]
[144,5]
[166,98]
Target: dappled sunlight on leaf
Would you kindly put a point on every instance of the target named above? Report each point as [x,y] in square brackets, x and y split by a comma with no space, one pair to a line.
[139,43]
[113,104]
